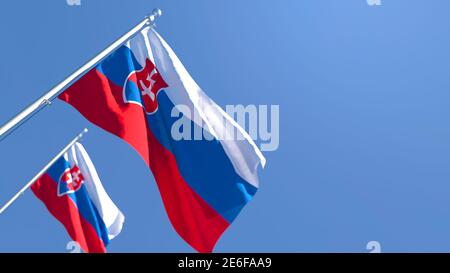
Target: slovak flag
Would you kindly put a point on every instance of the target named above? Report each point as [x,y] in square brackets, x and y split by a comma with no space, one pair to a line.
[72,192]
[140,93]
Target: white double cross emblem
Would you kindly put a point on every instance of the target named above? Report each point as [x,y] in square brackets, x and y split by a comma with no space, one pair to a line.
[147,85]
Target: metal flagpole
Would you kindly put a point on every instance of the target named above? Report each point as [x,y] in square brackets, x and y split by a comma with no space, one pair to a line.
[41,172]
[46,99]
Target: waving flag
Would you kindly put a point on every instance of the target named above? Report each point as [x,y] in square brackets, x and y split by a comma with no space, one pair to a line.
[134,94]
[72,192]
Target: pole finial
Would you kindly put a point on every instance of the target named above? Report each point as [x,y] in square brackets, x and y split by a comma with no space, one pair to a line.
[80,135]
[155,14]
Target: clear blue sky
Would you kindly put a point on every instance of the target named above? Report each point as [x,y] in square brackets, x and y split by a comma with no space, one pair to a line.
[364,95]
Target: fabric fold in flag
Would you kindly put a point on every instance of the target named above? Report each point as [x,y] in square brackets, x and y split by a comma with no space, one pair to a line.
[139,93]
[73,193]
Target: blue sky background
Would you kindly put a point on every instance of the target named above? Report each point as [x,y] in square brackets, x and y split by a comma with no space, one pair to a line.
[364,106]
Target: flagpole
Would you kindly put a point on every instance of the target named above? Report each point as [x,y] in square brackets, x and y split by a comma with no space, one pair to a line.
[46,99]
[41,172]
